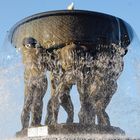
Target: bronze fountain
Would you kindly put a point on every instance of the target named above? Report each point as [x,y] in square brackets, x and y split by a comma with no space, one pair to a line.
[82,48]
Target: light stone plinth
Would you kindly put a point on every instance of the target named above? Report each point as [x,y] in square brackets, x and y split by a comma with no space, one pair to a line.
[37,131]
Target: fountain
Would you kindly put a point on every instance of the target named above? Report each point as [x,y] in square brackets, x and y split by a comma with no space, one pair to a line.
[81,48]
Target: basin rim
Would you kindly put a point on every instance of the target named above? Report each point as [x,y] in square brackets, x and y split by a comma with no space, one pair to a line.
[54,13]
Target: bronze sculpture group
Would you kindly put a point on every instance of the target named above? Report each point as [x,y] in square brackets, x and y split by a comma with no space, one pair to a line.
[93,71]
[81,48]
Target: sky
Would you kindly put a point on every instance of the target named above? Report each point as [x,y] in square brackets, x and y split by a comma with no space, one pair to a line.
[11,102]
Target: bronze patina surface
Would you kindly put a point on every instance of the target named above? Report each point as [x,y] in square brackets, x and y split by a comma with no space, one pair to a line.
[81,48]
[60,27]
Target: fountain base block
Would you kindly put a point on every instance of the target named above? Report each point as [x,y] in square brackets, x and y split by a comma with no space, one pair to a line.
[69,129]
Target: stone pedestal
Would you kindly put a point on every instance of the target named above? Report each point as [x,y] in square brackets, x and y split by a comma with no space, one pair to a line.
[69,130]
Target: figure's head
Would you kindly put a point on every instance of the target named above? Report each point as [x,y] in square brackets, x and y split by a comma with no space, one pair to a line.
[30,42]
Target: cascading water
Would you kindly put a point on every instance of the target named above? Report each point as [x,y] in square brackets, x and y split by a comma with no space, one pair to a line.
[99,68]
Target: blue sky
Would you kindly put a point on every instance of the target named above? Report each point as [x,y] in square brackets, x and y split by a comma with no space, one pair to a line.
[15,10]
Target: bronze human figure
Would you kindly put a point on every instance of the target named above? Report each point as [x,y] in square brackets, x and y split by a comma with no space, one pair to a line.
[95,75]
[36,83]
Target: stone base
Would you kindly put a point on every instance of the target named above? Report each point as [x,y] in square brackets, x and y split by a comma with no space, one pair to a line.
[82,137]
[69,129]
[22,133]
[83,129]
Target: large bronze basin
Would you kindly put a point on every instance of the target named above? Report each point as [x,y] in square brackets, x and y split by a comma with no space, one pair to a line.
[63,27]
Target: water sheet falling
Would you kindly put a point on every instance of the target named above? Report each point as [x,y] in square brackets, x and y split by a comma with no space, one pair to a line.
[85,57]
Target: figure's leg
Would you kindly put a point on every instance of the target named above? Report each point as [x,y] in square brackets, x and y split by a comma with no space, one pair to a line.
[52,111]
[64,100]
[25,115]
[108,91]
[37,105]
[87,112]
[61,97]
[50,116]
[67,104]
[102,117]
